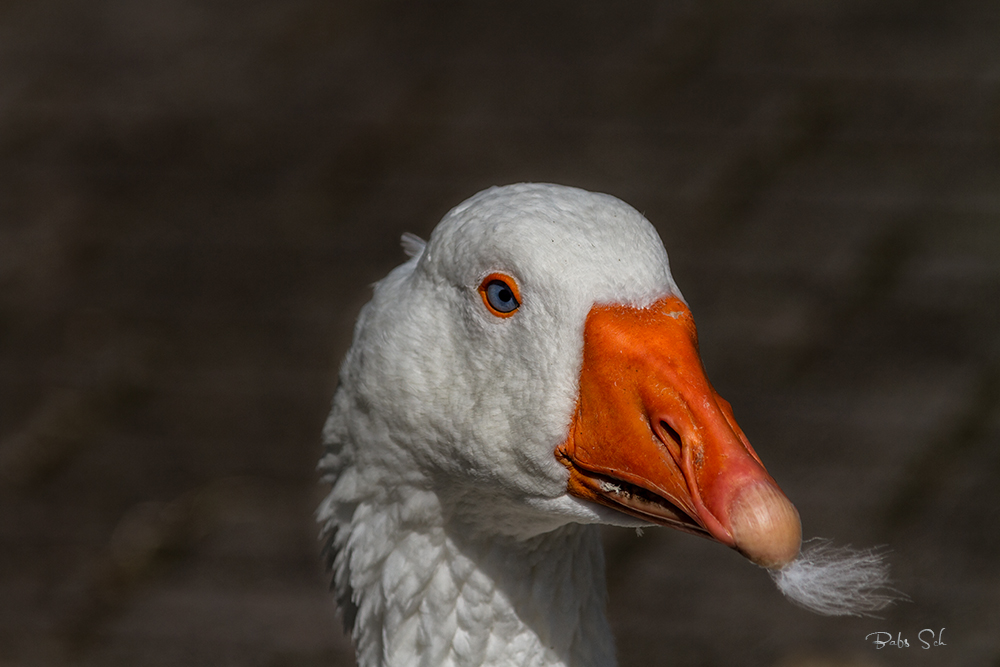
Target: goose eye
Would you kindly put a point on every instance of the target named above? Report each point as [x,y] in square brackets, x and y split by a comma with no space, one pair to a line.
[500,295]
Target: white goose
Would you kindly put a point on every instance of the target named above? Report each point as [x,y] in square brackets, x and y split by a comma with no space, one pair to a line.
[530,372]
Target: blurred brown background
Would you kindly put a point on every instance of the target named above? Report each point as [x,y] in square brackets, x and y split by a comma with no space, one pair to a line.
[195,196]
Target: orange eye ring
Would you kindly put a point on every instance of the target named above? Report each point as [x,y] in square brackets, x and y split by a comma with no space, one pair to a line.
[500,294]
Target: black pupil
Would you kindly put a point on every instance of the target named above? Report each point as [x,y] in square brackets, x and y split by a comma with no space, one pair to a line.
[505,294]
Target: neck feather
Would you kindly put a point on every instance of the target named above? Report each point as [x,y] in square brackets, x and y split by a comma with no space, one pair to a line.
[421,586]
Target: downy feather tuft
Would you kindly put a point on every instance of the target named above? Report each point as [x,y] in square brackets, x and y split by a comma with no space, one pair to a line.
[837,581]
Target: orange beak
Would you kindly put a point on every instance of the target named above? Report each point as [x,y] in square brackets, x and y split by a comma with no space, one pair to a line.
[651,438]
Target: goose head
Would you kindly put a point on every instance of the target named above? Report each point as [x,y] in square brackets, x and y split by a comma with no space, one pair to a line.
[535,365]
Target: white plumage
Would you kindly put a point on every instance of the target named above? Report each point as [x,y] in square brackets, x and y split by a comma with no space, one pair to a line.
[466,481]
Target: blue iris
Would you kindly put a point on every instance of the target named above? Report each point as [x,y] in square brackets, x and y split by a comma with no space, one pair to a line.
[501,297]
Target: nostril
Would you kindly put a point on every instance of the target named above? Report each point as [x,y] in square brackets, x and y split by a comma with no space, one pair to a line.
[672,440]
